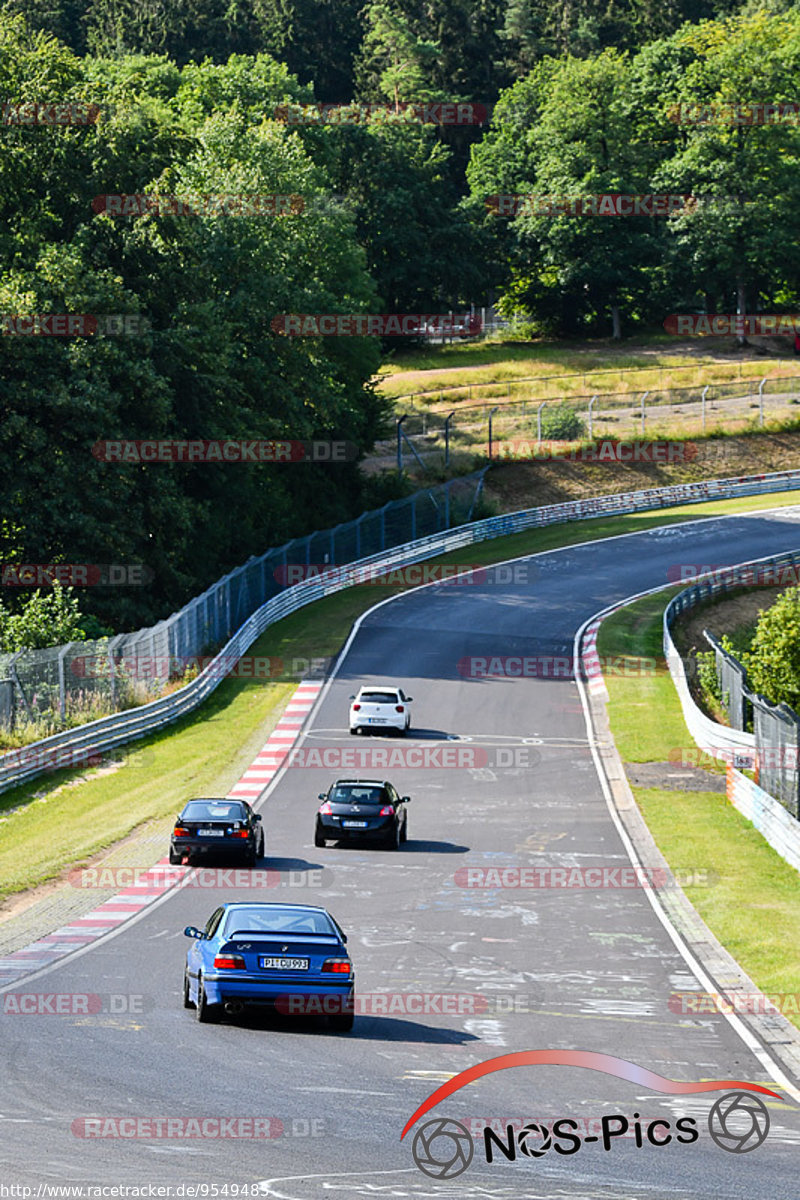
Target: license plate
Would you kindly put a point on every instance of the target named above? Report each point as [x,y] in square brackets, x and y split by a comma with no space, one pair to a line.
[376,720]
[355,824]
[211,832]
[284,964]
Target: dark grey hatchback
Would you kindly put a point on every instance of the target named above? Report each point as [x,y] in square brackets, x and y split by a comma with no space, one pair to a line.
[369,810]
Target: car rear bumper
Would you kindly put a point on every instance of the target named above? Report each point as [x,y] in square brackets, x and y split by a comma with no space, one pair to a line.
[222,846]
[294,998]
[376,833]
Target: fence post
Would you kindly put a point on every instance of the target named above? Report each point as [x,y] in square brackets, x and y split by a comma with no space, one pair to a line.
[491,415]
[447,438]
[399,422]
[644,397]
[539,423]
[62,689]
[761,401]
[703,404]
[591,406]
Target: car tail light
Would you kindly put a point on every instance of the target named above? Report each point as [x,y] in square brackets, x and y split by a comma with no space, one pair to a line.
[326,808]
[386,811]
[179,831]
[336,966]
[399,708]
[239,833]
[356,707]
[229,962]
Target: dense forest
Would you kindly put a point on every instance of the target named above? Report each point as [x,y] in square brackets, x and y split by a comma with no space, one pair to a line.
[186,99]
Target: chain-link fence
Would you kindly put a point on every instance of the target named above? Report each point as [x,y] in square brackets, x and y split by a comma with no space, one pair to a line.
[512,419]
[776,728]
[732,680]
[82,681]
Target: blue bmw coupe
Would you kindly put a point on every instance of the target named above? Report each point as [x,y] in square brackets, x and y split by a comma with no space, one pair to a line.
[290,958]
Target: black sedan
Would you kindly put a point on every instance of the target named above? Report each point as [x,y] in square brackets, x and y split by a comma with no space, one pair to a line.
[362,810]
[217,826]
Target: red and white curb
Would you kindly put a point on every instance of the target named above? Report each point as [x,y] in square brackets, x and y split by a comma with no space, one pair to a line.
[270,757]
[148,886]
[591,661]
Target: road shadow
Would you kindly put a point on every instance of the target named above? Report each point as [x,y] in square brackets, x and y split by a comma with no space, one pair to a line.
[365,1028]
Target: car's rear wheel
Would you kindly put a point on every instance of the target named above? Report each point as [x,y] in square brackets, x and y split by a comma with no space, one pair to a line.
[206,1013]
[187,1001]
[175,858]
[394,839]
[404,833]
[319,840]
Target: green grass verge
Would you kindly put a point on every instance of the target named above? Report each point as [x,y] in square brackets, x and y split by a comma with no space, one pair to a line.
[753,903]
[60,820]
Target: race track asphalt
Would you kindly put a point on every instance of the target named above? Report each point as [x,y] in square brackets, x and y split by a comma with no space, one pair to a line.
[562,968]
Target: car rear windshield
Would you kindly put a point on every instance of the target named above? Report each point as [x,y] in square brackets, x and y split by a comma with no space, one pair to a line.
[277,920]
[359,795]
[212,810]
[380,697]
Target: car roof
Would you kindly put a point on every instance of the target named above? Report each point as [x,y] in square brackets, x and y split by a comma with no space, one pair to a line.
[373,782]
[213,800]
[229,904]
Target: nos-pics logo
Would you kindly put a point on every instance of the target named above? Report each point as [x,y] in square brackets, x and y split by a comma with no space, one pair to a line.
[443,1148]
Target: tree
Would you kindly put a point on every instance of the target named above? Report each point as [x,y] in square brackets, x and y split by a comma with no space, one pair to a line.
[773,661]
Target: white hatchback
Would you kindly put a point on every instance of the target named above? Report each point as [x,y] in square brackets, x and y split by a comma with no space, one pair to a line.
[380,708]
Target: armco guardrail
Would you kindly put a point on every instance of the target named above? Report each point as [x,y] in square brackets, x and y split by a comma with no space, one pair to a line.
[767,814]
[73,747]
[734,746]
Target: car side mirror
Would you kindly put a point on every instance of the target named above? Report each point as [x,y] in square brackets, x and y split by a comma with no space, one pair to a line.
[352,697]
[256,816]
[409,699]
[321,796]
[406,799]
[191,932]
[344,937]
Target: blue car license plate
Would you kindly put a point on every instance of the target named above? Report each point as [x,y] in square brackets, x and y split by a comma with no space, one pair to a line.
[283,964]
[211,832]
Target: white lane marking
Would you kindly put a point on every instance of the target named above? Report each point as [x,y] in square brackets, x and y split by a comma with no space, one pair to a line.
[750,1040]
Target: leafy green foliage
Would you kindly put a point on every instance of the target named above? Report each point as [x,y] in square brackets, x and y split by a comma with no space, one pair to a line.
[561,422]
[48,618]
[773,661]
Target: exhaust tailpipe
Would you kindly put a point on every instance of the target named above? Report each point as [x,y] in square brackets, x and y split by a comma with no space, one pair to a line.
[233,1007]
